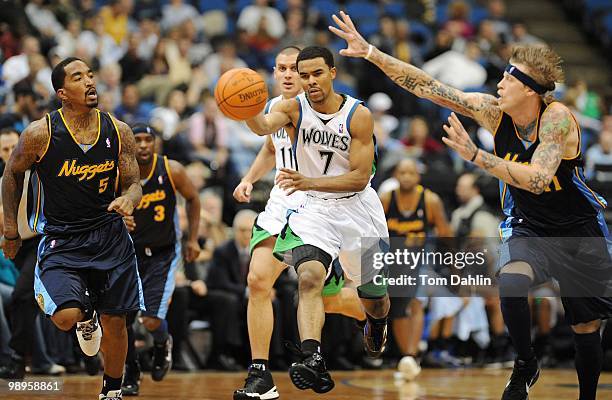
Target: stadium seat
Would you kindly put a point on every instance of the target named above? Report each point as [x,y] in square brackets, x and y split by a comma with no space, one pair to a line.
[397,10]
[325,7]
[239,5]
[360,10]
[478,14]
[422,35]
[369,27]
[209,5]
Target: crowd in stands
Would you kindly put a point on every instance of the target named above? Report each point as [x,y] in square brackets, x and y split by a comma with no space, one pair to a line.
[158,61]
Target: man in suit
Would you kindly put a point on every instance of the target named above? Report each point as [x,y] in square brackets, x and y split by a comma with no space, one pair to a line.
[227,278]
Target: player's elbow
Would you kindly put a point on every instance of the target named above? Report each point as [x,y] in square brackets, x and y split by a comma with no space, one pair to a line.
[361,181]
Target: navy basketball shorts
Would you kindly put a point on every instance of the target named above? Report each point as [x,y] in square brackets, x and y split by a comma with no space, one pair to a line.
[157,268]
[578,258]
[97,266]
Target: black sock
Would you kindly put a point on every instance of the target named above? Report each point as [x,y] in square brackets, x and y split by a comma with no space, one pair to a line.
[260,361]
[109,384]
[310,346]
[515,310]
[589,359]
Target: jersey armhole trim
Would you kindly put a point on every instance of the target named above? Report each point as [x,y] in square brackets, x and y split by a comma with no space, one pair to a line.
[350,116]
[48,117]
[167,165]
[117,131]
[152,169]
[297,133]
[501,117]
[579,139]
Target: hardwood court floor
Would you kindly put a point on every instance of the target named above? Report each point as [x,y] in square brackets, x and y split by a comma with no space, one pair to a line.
[474,384]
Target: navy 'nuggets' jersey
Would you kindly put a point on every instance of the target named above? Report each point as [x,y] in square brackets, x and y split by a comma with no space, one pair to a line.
[156,218]
[412,224]
[566,202]
[72,185]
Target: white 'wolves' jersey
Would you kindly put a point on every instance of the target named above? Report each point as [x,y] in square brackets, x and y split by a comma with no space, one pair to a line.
[282,142]
[323,142]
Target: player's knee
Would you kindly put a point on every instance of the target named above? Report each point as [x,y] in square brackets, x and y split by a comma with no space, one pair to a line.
[114,325]
[66,319]
[310,279]
[587,327]
[150,323]
[259,284]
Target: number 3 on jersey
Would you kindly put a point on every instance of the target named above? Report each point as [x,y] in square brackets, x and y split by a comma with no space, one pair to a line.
[160,213]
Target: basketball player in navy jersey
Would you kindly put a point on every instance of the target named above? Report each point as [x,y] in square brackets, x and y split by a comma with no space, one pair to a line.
[81,158]
[538,161]
[157,239]
[415,214]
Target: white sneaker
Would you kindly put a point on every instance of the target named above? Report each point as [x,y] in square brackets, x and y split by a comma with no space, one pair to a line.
[408,368]
[111,395]
[89,334]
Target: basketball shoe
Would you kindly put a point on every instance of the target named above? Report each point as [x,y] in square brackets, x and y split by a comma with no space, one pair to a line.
[111,395]
[89,334]
[162,359]
[131,380]
[311,373]
[375,338]
[258,385]
[524,375]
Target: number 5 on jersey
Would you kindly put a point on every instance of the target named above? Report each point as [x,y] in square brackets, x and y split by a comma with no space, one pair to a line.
[103,185]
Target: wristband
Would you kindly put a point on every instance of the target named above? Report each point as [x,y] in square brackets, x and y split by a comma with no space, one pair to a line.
[475,155]
[370,49]
[11,239]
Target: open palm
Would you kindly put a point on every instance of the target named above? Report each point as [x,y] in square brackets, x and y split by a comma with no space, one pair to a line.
[357,45]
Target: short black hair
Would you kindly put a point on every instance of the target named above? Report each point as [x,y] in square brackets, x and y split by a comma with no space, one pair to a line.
[58,75]
[8,130]
[23,88]
[312,52]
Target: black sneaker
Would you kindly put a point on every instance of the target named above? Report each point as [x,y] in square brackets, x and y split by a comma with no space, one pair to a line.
[375,338]
[524,375]
[131,380]
[258,385]
[162,359]
[311,373]
[14,369]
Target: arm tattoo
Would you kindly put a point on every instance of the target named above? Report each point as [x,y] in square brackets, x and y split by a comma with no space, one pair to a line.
[554,130]
[481,107]
[489,161]
[514,180]
[128,167]
[538,182]
[31,145]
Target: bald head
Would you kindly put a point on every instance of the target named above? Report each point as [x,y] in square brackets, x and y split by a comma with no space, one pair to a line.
[466,188]
[407,174]
[243,224]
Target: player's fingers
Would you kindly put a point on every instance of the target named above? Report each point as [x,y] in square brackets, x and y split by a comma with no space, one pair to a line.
[247,190]
[450,131]
[340,23]
[449,143]
[455,123]
[339,32]
[347,19]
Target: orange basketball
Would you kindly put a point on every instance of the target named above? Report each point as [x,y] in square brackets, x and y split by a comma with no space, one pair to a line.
[241,93]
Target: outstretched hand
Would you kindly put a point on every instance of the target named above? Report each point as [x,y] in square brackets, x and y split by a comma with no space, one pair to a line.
[458,138]
[357,45]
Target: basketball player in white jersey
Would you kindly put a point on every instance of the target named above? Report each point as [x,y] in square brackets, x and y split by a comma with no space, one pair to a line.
[265,268]
[333,145]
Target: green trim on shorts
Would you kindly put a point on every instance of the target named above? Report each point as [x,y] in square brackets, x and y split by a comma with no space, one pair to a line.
[333,286]
[286,241]
[258,235]
[371,289]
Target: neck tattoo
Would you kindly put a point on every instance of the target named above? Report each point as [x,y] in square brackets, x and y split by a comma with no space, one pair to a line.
[526,131]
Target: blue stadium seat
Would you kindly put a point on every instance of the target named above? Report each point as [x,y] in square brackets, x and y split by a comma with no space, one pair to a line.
[369,27]
[423,34]
[360,10]
[209,5]
[396,9]
[441,15]
[325,7]
[281,5]
[478,14]
[241,4]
